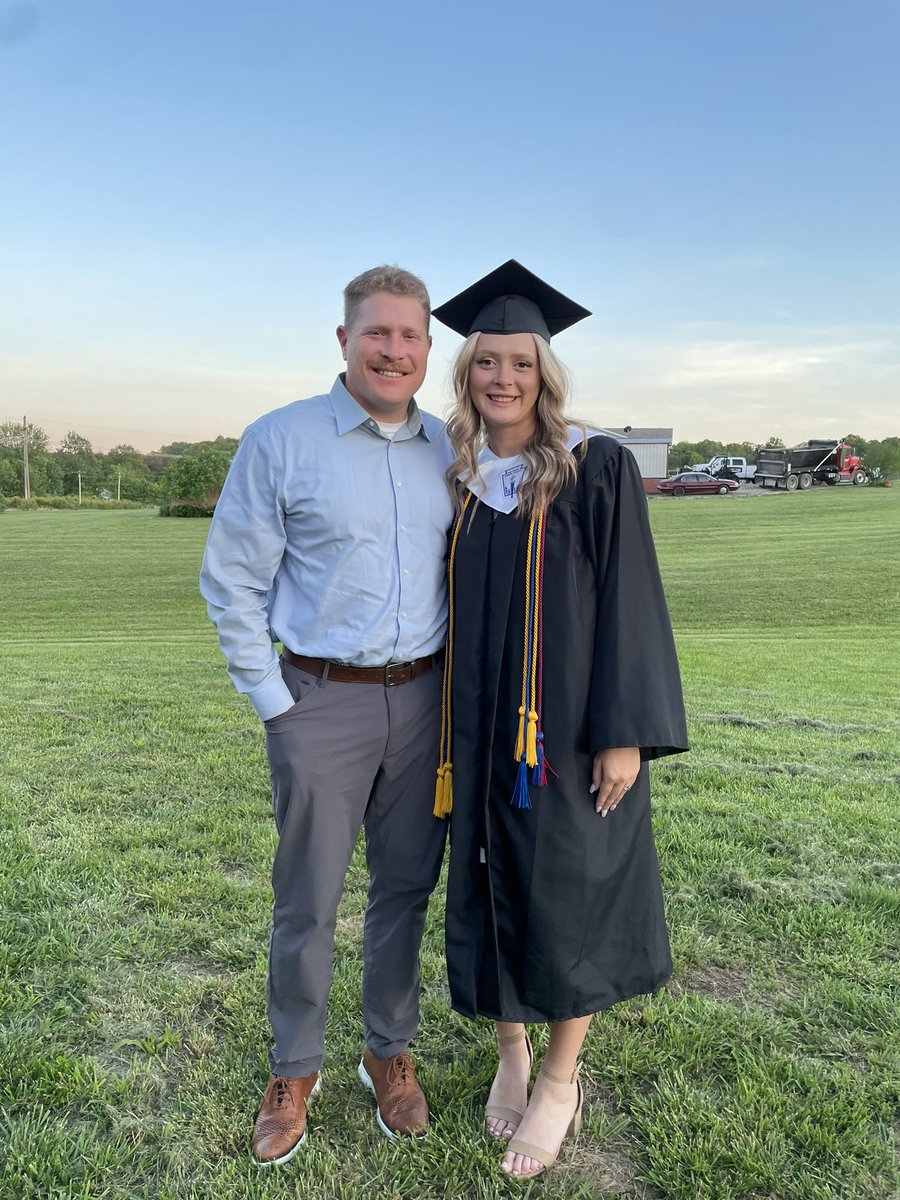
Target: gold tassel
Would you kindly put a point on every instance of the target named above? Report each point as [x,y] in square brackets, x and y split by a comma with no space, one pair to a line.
[448,791]
[531,751]
[440,791]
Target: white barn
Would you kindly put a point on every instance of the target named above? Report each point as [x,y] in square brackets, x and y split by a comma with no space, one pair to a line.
[651,449]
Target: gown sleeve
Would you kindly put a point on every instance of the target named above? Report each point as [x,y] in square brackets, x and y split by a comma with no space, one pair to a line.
[636,695]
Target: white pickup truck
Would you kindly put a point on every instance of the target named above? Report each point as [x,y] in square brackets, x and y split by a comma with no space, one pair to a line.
[725,466]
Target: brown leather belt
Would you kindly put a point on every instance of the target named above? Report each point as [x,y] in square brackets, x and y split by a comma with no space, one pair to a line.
[389,676]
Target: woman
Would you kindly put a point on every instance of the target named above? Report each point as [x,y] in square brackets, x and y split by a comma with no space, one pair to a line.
[562,683]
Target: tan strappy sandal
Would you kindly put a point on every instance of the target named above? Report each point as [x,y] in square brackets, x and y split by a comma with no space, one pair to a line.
[510,1115]
[541,1153]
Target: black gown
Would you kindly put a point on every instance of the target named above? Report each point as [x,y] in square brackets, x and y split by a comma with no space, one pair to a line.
[553,911]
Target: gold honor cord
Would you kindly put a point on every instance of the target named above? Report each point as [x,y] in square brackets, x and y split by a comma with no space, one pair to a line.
[443,792]
[529,752]
[526,711]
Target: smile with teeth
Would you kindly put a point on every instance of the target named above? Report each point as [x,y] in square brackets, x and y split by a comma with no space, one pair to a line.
[388,374]
[502,399]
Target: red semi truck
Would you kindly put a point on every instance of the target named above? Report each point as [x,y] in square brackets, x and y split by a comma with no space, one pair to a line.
[815,461]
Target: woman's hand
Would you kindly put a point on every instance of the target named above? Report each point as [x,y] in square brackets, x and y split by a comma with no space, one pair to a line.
[615,770]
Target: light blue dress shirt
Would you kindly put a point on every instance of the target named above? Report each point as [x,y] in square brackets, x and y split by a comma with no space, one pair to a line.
[331,539]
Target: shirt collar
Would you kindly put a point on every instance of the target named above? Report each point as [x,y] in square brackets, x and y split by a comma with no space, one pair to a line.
[349,414]
[498,479]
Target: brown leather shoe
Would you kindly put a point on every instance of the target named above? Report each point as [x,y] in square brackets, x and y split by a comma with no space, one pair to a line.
[402,1108]
[280,1128]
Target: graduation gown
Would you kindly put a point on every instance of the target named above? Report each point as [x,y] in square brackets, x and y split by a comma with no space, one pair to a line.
[553,911]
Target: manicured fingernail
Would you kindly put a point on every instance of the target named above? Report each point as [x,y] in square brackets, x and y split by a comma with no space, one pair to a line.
[592,789]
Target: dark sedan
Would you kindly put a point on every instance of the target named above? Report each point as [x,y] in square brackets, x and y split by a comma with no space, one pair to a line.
[694,483]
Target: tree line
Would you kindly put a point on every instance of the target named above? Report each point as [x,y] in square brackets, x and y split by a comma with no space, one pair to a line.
[179,471]
[195,471]
[882,458]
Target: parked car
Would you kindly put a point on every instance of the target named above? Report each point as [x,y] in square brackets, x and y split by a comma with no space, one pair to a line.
[692,483]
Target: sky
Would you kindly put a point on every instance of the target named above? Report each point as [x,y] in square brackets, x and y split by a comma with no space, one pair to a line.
[186,187]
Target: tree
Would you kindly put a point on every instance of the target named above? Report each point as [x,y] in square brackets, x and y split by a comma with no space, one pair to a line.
[125,456]
[196,477]
[41,469]
[685,454]
[75,457]
[10,478]
[157,463]
[882,459]
[126,483]
[124,473]
[12,436]
[76,446]
[742,449]
[775,443]
[46,476]
[228,444]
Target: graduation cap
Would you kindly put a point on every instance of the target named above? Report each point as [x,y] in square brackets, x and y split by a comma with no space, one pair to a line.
[510,300]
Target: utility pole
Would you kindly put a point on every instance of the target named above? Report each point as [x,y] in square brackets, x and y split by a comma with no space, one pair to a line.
[79,487]
[119,487]
[26,479]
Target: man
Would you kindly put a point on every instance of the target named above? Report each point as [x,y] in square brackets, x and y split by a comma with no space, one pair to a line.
[329,538]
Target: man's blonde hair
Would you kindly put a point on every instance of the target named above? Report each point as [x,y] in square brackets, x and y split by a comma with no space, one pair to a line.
[393,280]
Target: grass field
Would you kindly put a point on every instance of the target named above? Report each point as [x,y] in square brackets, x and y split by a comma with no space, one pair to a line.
[135,844]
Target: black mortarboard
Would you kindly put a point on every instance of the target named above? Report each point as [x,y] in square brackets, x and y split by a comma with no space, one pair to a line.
[510,300]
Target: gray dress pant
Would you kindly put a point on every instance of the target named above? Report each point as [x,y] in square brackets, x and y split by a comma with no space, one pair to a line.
[344,757]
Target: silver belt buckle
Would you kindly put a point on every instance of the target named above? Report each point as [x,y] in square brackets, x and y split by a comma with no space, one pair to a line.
[388,677]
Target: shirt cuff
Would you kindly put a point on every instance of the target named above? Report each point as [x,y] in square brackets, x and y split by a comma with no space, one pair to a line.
[271,699]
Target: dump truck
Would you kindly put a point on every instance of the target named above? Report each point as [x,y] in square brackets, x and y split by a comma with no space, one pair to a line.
[816,461]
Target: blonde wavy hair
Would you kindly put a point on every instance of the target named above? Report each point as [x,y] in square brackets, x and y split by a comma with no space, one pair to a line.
[550,463]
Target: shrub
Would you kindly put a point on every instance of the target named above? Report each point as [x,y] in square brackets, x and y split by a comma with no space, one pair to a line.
[196,478]
[68,502]
[97,503]
[185,510]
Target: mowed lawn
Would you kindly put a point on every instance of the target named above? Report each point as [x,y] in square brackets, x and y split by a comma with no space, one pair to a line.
[135,844]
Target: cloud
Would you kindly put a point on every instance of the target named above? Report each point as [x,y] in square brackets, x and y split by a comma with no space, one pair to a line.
[796,382]
[741,362]
[703,380]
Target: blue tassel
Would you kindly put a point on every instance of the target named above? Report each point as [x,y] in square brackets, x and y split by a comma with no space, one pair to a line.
[520,798]
[539,771]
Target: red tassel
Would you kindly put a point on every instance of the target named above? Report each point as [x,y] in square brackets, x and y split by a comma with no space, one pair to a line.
[539,770]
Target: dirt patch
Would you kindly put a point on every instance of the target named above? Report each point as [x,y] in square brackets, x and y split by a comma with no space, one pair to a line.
[725,984]
[607,1172]
[812,723]
[888,873]
[352,922]
[783,769]
[239,873]
[738,721]
[198,968]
